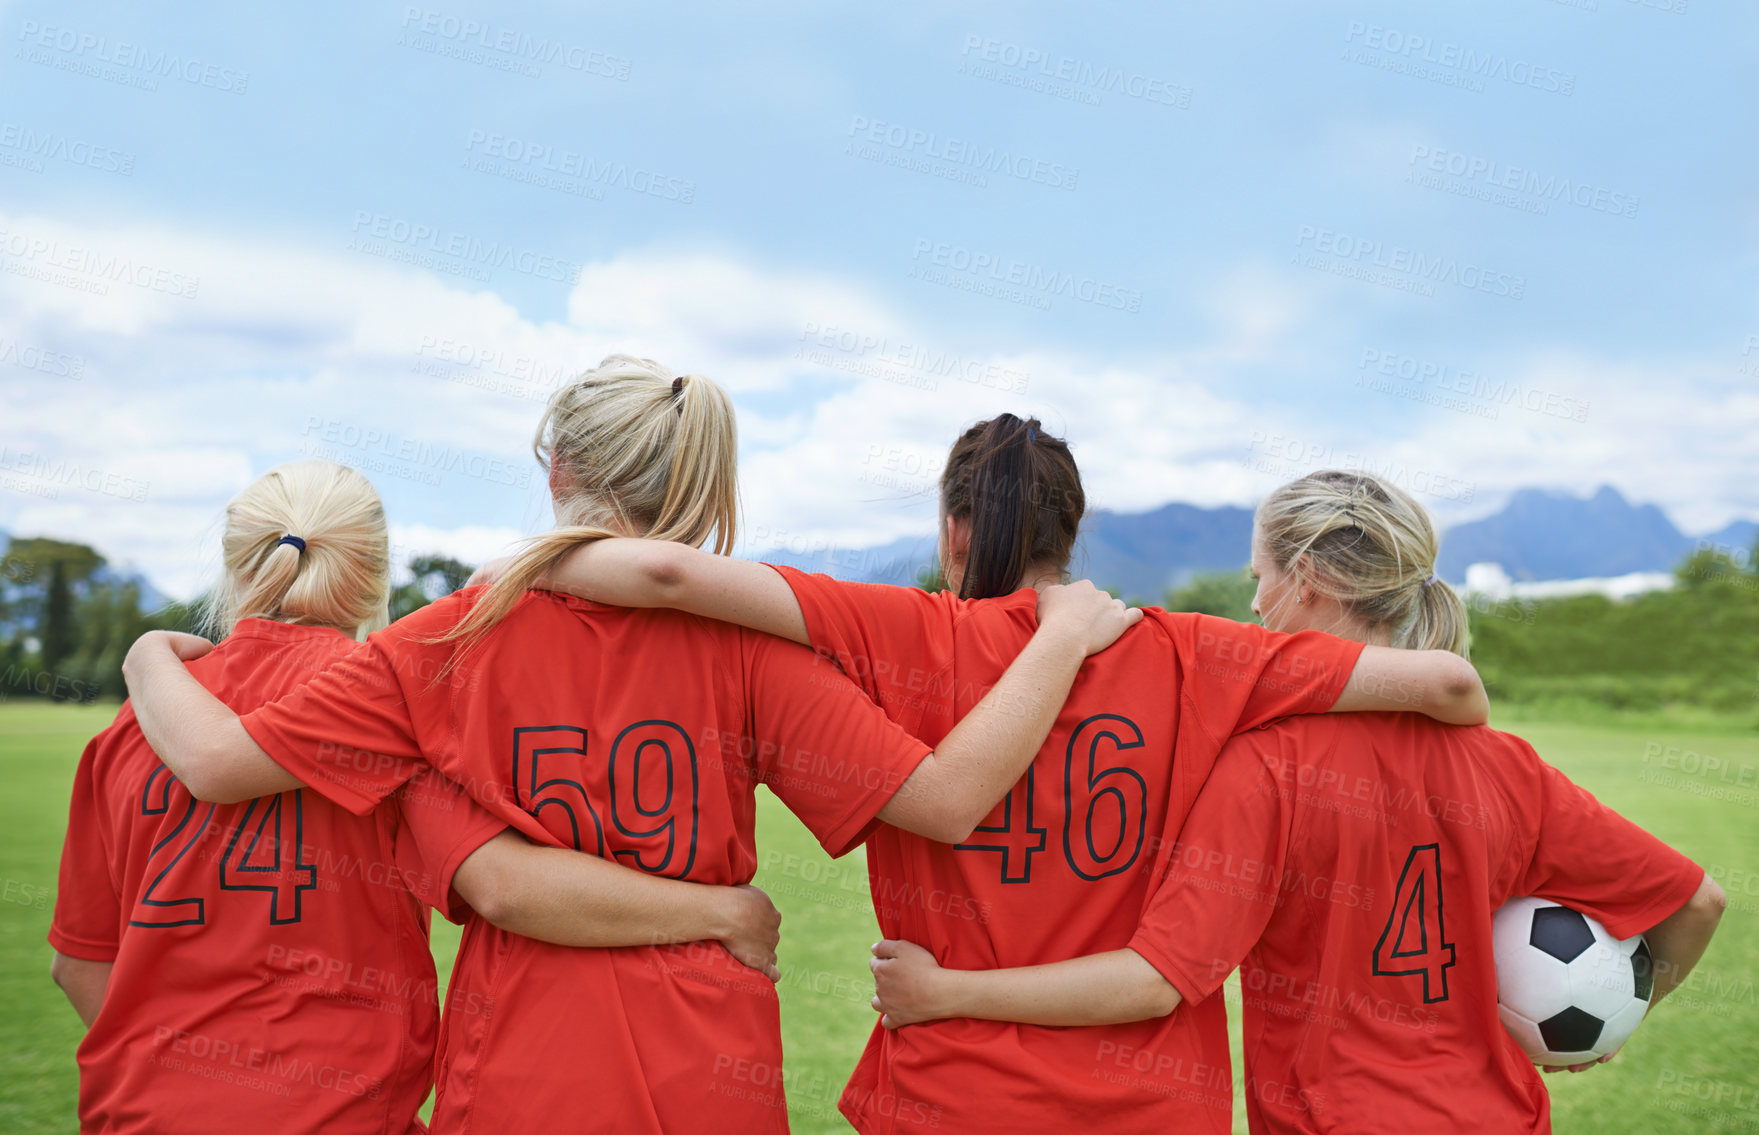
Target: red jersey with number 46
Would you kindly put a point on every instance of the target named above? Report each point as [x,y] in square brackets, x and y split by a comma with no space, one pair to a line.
[1360,859]
[635,735]
[1062,866]
[271,962]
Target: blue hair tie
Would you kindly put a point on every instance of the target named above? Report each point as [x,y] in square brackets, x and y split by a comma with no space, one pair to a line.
[294,540]
[1430,582]
[1031,435]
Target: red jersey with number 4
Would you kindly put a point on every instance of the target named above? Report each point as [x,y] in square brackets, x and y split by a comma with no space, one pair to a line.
[1360,858]
[1062,867]
[271,962]
[638,735]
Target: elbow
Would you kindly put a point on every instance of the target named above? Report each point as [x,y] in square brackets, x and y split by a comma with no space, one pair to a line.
[1464,692]
[489,891]
[58,969]
[1160,998]
[1710,901]
[664,566]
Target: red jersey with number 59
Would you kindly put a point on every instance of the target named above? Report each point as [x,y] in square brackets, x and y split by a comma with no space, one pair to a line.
[1062,866]
[1360,859]
[271,962]
[635,735]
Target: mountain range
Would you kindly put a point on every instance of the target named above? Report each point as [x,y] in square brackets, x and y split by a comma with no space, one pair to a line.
[1539,534]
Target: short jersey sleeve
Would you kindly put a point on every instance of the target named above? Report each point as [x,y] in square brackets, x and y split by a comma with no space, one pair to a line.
[347,733]
[1222,886]
[88,912]
[828,752]
[891,640]
[441,827]
[1238,676]
[1592,859]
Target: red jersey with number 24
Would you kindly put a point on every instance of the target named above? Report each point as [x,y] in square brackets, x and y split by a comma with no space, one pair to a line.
[270,957]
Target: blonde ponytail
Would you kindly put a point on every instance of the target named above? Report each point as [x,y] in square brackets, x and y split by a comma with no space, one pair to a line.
[1370,546]
[633,450]
[305,543]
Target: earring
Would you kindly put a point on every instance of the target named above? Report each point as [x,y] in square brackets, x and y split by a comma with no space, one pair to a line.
[1299,599]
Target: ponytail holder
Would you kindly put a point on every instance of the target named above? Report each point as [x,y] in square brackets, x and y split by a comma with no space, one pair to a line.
[677,386]
[1031,435]
[294,540]
[1429,581]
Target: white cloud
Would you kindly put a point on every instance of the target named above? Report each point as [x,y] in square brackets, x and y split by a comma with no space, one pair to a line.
[847,405]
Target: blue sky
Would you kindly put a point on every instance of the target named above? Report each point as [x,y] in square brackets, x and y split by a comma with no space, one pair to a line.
[1474,247]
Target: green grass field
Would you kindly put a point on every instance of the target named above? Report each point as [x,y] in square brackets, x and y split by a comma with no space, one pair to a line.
[1690,1068]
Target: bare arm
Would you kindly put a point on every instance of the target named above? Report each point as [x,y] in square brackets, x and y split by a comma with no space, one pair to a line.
[1437,683]
[575,899]
[193,732]
[84,983]
[662,573]
[1680,939]
[973,767]
[1100,989]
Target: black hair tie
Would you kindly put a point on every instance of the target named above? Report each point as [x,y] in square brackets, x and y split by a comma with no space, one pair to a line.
[294,540]
[677,386]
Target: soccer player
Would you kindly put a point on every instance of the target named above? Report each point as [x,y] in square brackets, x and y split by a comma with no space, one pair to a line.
[1354,864]
[270,957]
[636,735]
[1061,867]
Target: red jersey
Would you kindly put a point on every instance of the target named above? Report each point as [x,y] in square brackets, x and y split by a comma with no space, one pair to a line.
[636,735]
[1062,866]
[271,960]
[1360,858]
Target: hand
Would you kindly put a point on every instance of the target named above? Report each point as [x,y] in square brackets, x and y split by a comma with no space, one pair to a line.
[1086,613]
[905,980]
[489,572]
[1578,1067]
[154,644]
[757,929]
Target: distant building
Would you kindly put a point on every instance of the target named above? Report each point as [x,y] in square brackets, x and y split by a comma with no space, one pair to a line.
[1490,581]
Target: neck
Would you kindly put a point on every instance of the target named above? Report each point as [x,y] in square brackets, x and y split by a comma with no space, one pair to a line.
[1040,576]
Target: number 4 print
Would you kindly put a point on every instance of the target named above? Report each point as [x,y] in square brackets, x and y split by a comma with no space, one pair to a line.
[1415,941]
[283,876]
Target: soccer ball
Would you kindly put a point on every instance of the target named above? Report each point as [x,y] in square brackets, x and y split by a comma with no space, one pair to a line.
[1566,989]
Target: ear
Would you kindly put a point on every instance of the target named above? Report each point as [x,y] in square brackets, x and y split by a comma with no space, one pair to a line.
[556,478]
[958,539]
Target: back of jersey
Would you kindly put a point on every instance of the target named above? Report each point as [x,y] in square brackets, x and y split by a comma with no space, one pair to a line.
[267,956]
[1062,865]
[1366,855]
